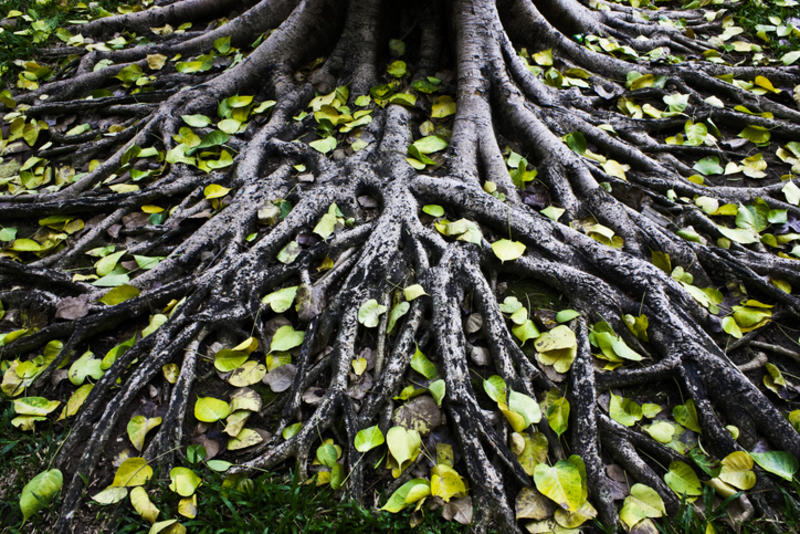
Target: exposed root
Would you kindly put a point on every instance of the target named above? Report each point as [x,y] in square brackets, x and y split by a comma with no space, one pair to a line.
[393,256]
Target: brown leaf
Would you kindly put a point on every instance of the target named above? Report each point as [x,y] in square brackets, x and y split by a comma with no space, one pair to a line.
[70,308]
[420,414]
[459,510]
[530,504]
[280,379]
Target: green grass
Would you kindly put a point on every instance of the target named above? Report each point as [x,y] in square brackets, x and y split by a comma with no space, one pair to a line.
[751,13]
[280,503]
[273,503]
[689,521]
[22,456]
[266,503]
[45,17]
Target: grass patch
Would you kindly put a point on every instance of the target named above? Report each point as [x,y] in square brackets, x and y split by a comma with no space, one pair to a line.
[268,502]
[716,516]
[275,503]
[752,14]
[22,456]
[24,35]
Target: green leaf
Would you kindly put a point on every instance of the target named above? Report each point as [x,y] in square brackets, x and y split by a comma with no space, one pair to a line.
[291,431]
[155,323]
[507,250]
[160,526]
[495,387]
[76,400]
[661,431]
[138,427]
[183,481]
[397,69]
[792,193]
[223,45]
[290,252]
[115,352]
[779,463]
[756,134]
[429,144]
[739,235]
[683,480]
[624,411]
[437,389]
[147,262]
[686,415]
[576,142]
[8,234]
[398,310]
[525,406]
[403,99]
[525,331]
[708,166]
[368,438]
[560,483]
[119,294]
[229,126]
[25,245]
[110,495]
[281,300]
[219,466]
[790,57]
[106,264]
[211,139]
[696,133]
[286,338]
[558,415]
[211,409]
[404,444]
[196,121]
[327,455]
[642,503]
[369,313]
[553,212]
[421,364]
[413,292]
[564,316]
[327,224]
[39,491]
[324,145]
[409,493]
[677,102]
[612,346]
[434,210]
[86,365]
[35,406]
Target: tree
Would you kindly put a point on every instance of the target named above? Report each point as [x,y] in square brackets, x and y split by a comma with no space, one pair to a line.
[398,206]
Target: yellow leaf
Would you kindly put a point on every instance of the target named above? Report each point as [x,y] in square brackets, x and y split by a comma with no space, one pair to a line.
[156,61]
[187,506]
[215,191]
[133,472]
[142,504]
[446,482]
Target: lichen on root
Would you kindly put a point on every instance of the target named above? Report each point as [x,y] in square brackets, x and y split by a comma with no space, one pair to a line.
[323,231]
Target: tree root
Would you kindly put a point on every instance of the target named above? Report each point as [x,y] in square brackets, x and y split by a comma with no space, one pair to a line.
[623,245]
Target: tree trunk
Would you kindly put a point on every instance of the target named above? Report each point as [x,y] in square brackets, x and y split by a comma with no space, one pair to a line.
[584,169]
